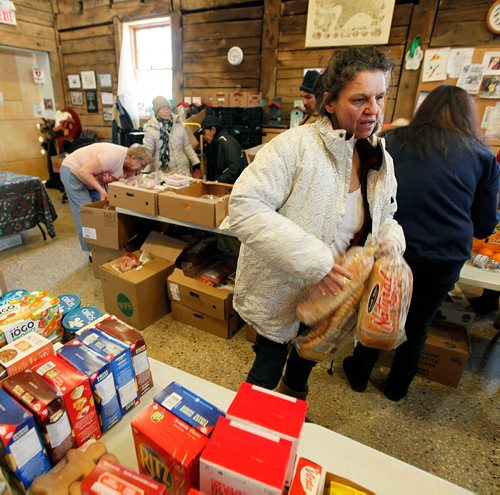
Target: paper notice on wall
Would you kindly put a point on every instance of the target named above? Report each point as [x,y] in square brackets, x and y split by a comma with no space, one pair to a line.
[38,110]
[7,12]
[470,77]
[435,65]
[457,58]
[493,124]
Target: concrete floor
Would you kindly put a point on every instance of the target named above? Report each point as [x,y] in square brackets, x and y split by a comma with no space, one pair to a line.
[452,433]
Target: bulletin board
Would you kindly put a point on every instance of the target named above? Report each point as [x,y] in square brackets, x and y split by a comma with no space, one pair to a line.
[481,103]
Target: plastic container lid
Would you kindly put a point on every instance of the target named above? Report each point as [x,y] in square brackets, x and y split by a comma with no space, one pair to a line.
[80,317]
[68,302]
[13,295]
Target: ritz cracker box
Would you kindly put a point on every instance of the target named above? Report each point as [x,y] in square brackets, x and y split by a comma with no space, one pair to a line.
[168,449]
[102,382]
[77,395]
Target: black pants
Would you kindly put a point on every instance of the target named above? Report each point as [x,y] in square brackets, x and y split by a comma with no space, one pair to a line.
[431,283]
[270,359]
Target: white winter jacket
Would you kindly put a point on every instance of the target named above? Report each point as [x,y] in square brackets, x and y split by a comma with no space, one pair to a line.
[182,153]
[286,208]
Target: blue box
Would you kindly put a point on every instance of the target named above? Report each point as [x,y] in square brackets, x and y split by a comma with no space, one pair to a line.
[189,407]
[101,378]
[21,447]
[118,354]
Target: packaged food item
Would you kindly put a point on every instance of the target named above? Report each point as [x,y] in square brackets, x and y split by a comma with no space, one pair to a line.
[485,262]
[385,304]
[76,393]
[189,407]
[307,478]
[214,274]
[79,318]
[68,302]
[13,296]
[48,409]
[21,447]
[359,262]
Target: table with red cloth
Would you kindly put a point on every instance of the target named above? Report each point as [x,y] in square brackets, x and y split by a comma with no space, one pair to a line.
[24,204]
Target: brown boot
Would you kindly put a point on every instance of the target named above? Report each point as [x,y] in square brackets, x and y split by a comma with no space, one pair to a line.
[284,389]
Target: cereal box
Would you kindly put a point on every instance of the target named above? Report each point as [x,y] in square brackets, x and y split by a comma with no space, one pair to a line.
[21,448]
[118,354]
[167,449]
[24,352]
[47,406]
[189,407]
[102,382]
[130,336]
[114,479]
[77,395]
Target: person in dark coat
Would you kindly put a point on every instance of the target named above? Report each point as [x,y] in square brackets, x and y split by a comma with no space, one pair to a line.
[226,159]
[307,95]
[447,193]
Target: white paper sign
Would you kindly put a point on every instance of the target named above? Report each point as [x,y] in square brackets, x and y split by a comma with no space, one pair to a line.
[107,98]
[470,77]
[457,58]
[435,64]
[38,75]
[7,12]
[38,110]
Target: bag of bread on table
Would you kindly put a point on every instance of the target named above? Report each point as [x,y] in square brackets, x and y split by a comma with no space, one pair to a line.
[385,303]
[327,337]
[358,261]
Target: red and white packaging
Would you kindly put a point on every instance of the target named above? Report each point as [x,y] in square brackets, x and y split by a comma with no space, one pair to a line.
[168,449]
[242,459]
[271,412]
[76,393]
[113,479]
[307,479]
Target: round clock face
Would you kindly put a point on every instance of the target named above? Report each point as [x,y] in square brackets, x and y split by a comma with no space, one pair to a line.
[493,18]
[235,55]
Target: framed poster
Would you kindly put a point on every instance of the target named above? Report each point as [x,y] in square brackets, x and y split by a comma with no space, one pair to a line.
[105,79]
[107,113]
[76,98]
[74,81]
[91,98]
[348,22]
[490,86]
[88,79]
[107,98]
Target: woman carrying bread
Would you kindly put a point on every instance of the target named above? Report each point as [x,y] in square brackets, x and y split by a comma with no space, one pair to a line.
[447,193]
[311,193]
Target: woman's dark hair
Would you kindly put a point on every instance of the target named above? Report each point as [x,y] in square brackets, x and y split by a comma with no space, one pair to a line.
[446,109]
[343,68]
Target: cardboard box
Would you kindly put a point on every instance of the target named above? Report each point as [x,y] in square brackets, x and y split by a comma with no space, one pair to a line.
[167,449]
[102,226]
[188,205]
[118,354]
[238,99]
[444,358]
[24,352]
[189,407]
[270,412]
[242,459]
[102,381]
[454,310]
[220,99]
[222,328]
[251,152]
[139,297]
[131,337]
[332,478]
[102,255]
[76,393]
[112,478]
[214,302]
[21,447]
[48,409]
[254,100]
[133,198]
[250,333]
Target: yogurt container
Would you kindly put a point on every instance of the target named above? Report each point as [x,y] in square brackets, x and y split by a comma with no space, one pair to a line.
[79,318]
[68,302]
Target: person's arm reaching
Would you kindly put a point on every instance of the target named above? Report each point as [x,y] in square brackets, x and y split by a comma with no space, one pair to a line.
[87,174]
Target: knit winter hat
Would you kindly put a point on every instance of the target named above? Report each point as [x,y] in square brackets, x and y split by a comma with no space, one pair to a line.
[309,80]
[160,102]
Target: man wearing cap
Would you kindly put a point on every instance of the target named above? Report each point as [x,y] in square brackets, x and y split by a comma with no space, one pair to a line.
[226,159]
[308,98]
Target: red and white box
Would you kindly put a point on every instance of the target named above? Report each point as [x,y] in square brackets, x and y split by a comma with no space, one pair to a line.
[168,449]
[271,412]
[111,478]
[307,479]
[244,460]
[76,393]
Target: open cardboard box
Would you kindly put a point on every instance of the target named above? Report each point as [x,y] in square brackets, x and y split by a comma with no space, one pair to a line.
[139,297]
[329,477]
[138,199]
[188,205]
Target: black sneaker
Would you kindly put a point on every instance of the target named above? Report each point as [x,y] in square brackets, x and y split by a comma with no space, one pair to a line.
[357,383]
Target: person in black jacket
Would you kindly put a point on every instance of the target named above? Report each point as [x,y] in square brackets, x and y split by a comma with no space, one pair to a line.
[447,193]
[226,159]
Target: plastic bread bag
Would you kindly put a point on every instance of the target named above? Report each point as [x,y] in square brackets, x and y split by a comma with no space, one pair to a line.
[359,262]
[385,303]
[328,336]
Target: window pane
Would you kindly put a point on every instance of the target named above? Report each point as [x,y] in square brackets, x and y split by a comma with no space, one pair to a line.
[152,83]
[154,48]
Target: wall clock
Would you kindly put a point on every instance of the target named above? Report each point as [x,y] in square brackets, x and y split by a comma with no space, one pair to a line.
[235,55]
[493,18]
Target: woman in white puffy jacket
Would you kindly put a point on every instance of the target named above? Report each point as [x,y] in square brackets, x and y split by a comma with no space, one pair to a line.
[311,193]
[166,138]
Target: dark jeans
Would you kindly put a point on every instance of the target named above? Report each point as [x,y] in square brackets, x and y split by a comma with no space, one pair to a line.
[270,359]
[431,283]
